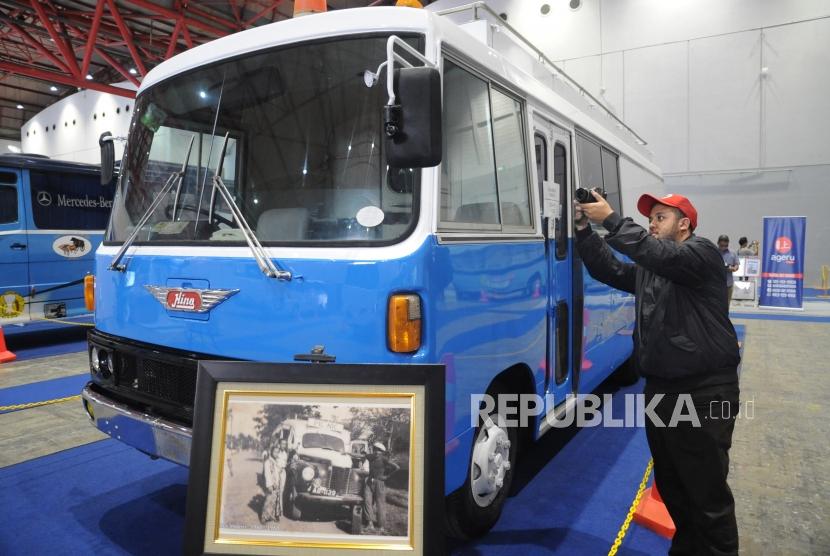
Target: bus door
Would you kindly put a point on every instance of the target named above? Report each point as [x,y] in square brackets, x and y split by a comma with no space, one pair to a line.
[553,165]
[14,253]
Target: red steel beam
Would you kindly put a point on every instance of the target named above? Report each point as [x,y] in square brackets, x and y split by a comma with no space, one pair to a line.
[51,76]
[125,32]
[174,39]
[93,36]
[118,67]
[218,20]
[263,13]
[171,14]
[39,47]
[235,10]
[187,39]
[67,52]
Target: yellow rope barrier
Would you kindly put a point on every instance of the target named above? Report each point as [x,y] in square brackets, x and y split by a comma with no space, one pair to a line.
[624,528]
[37,404]
[66,322]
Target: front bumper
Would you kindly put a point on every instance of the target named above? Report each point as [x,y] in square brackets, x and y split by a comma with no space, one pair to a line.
[152,435]
[344,500]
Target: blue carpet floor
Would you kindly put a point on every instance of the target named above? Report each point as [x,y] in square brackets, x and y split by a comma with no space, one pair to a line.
[571,493]
[41,340]
[102,498]
[787,316]
[44,390]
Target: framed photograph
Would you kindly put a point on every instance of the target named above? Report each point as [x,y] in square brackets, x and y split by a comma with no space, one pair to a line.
[316,458]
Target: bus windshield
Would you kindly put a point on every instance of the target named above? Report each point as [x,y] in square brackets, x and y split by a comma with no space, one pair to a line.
[304,158]
[325,441]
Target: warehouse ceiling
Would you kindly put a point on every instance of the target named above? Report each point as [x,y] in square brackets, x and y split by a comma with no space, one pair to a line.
[50,49]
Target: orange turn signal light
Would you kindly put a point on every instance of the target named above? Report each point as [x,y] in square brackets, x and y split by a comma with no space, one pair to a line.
[89,292]
[404,323]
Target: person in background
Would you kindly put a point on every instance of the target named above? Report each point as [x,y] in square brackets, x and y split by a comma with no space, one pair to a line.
[275,472]
[685,347]
[743,248]
[374,492]
[730,261]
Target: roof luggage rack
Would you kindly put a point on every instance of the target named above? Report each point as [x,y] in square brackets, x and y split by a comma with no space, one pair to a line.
[479,8]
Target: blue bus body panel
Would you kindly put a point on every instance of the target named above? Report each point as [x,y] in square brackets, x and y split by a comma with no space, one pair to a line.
[14,261]
[342,305]
[54,199]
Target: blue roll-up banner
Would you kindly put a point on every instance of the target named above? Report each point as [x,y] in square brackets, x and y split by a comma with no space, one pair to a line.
[782,263]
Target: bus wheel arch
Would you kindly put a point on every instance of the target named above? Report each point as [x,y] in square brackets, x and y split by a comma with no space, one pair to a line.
[473,509]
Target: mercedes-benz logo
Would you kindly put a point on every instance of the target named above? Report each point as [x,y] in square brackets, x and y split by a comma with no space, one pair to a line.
[44,199]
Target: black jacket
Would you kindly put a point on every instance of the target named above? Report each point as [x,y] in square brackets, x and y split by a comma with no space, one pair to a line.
[683,337]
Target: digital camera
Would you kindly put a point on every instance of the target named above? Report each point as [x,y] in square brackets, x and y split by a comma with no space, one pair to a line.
[584,195]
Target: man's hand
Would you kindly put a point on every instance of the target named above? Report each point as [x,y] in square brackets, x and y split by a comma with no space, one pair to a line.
[596,212]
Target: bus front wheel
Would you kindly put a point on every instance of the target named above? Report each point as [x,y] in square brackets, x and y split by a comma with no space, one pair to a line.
[475,508]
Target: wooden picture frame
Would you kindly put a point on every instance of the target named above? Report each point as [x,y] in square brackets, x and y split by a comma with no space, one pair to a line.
[301,458]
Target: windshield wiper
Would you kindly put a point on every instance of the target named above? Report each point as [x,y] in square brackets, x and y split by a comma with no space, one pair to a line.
[174,178]
[265,264]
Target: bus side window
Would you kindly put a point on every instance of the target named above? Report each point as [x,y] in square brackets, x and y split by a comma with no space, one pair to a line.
[484,174]
[560,177]
[468,177]
[8,203]
[611,179]
[598,168]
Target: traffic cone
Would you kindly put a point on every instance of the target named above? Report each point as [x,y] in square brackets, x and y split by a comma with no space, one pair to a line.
[652,513]
[5,354]
[307,7]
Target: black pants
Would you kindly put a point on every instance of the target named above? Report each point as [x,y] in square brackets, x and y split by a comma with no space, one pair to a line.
[690,468]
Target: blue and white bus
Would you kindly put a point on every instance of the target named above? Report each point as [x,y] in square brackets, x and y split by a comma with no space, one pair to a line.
[52,218]
[280,192]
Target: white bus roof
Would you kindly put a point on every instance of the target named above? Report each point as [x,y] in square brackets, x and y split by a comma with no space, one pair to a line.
[520,67]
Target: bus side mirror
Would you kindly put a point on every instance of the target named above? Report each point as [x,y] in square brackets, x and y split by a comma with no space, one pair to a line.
[105,142]
[413,125]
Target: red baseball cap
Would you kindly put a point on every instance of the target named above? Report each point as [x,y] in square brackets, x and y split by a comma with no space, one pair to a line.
[647,202]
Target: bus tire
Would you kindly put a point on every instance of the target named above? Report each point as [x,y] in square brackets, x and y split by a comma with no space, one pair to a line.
[626,374]
[474,509]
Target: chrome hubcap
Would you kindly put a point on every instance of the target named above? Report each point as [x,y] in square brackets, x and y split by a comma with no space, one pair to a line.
[491,461]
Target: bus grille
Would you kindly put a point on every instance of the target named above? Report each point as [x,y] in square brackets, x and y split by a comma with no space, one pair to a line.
[339,479]
[166,381]
[346,481]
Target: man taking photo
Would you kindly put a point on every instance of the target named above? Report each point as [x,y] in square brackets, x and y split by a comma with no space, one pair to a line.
[684,343]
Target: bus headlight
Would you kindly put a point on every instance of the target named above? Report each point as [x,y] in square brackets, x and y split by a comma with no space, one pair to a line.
[404,323]
[307,473]
[93,359]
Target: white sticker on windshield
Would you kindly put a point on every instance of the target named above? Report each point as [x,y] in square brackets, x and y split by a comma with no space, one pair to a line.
[369,217]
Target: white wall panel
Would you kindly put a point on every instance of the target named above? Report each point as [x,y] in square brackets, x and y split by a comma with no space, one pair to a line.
[613,81]
[586,72]
[628,24]
[656,102]
[724,102]
[796,104]
[736,203]
[562,33]
[75,123]
[4,145]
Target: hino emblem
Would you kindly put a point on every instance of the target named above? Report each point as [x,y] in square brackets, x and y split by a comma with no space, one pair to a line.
[189,300]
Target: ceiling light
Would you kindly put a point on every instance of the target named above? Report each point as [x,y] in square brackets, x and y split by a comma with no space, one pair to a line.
[133,71]
[53,88]
[20,107]
[89,76]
